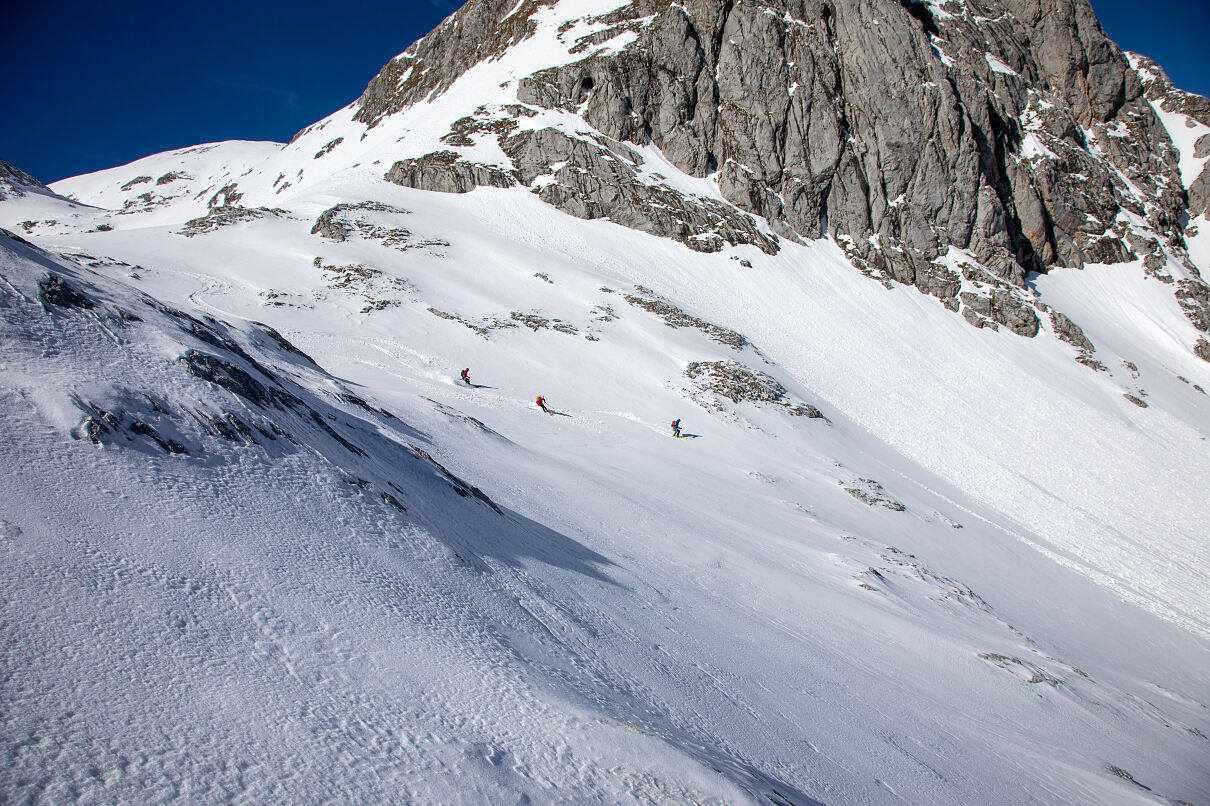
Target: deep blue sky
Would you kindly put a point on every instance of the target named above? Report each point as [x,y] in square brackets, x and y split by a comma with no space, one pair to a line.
[90,85]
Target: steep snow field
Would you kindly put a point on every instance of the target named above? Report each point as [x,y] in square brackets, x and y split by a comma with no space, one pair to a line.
[980,577]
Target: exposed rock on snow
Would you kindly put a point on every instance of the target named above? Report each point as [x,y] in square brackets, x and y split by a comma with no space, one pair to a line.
[797,113]
[1029,672]
[600,179]
[735,382]
[377,291]
[235,379]
[483,327]
[327,149]
[674,317]
[1000,307]
[341,221]
[447,172]
[536,322]
[1138,401]
[1160,92]
[219,217]
[1194,297]
[57,292]
[587,179]
[138,180]
[101,426]
[1202,349]
[1070,332]
[870,493]
[15,182]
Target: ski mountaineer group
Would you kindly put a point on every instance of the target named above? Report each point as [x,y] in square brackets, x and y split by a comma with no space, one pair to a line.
[540,401]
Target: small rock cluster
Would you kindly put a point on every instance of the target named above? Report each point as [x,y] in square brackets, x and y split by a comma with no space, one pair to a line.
[483,327]
[870,493]
[731,380]
[224,217]
[674,317]
[340,222]
[378,291]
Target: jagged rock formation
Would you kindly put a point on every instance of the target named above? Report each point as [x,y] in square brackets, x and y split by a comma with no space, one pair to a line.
[15,182]
[1160,92]
[1012,129]
[593,177]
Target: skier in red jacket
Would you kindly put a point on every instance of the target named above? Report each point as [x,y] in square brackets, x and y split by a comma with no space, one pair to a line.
[541,401]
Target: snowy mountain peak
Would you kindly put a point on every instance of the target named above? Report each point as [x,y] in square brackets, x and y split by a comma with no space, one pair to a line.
[265,541]
[1032,142]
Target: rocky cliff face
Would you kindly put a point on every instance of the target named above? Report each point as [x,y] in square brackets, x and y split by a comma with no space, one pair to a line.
[1012,129]
[1165,97]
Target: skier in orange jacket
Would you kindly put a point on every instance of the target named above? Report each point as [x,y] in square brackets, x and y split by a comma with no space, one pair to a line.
[541,401]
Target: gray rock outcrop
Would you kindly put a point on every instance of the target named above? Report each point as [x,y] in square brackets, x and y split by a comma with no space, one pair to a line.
[716,381]
[1070,332]
[1014,129]
[446,172]
[1160,91]
[15,182]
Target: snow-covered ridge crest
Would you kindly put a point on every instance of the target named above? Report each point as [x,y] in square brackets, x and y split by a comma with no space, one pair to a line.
[15,181]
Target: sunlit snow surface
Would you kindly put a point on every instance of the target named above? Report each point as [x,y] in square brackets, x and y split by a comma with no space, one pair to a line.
[716,619]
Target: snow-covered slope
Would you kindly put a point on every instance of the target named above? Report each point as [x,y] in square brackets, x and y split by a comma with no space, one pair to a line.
[261,545]
[978,577]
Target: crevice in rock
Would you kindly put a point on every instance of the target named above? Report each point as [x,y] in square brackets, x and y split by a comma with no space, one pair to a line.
[921,12]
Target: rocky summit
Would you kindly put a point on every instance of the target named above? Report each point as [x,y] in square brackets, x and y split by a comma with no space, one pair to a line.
[632,403]
[1016,131]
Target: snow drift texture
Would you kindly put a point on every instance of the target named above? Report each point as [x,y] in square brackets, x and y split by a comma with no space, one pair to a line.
[261,544]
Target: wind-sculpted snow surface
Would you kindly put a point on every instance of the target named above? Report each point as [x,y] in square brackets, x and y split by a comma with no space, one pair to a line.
[258,542]
[263,545]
